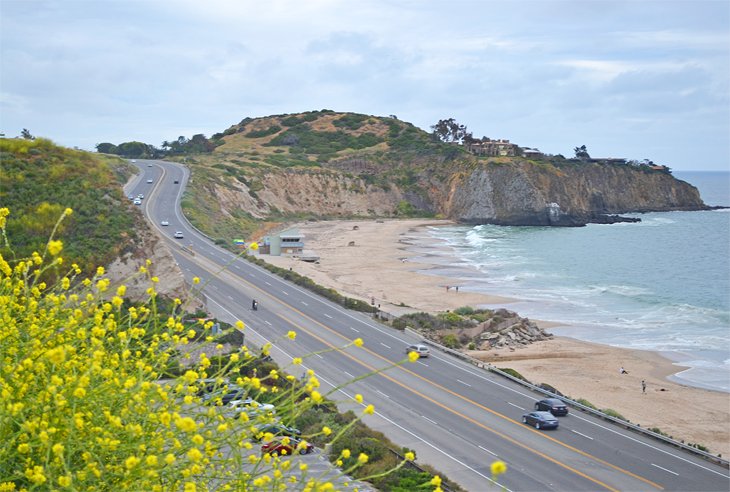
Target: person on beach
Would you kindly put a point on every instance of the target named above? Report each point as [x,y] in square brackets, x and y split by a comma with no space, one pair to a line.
[457,289]
[643,386]
[623,371]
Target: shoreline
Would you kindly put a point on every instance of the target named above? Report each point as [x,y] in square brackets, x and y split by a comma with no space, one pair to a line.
[377,261]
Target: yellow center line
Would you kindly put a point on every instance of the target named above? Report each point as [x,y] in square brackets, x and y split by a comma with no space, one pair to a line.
[428,381]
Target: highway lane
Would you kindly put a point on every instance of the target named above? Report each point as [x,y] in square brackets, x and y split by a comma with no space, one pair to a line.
[465,415]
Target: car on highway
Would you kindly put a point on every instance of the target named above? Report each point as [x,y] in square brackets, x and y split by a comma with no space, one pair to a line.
[286,446]
[140,196]
[540,420]
[277,430]
[251,407]
[149,181]
[149,165]
[176,181]
[178,235]
[164,223]
[421,350]
[137,201]
[134,160]
[552,405]
[225,396]
[131,197]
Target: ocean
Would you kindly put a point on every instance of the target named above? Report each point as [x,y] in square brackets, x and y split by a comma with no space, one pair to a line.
[662,284]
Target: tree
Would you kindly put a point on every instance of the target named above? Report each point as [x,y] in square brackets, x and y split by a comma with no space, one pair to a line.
[450,131]
[581,153]
[26,134]
[107,148]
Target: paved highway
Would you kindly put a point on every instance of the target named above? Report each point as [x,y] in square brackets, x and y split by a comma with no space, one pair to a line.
[458,418]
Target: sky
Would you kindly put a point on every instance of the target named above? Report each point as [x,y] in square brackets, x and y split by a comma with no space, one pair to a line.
[638,79]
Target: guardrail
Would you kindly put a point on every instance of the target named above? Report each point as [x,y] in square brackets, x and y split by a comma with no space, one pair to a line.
[597,413]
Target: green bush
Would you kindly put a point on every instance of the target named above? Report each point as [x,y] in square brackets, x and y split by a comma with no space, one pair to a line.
[513,373]
[263,133]
[451,341]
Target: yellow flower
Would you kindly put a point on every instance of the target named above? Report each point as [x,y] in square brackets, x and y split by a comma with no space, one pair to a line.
[64,480]
[345,453]
[316,397]
[121,290]
[357,342]
[55,247]
[358,398]
[196,280]
[100,271]
[326,431]
[195,455]
[498,468]
[410,456]
[131,462]
[436,481]
[23,448]
[170,459]
[292,334]
[189,487]
[413,356]
[254,246]
[362,459]
[57,449]
[369,410]
[240,325]
[296,361]
[68,211]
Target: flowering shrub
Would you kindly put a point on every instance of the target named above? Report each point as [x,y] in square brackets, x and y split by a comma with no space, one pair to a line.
[84,405]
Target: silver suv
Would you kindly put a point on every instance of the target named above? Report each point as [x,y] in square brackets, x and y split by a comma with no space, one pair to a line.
[421,350]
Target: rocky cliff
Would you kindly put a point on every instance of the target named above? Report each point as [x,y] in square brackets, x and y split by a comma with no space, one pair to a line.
[526,194]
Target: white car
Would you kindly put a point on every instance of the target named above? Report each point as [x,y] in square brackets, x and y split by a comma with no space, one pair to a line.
[149,181]
[137,201]
[251,407]
[421,350]
[140,196]
[178,235]
[164,223]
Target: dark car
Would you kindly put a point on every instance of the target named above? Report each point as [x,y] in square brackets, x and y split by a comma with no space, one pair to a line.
[552,405]
[278,447]
[224,396]
[540,420]
[277,430]
[176,181]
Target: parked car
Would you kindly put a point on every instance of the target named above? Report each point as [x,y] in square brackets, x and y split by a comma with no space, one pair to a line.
[251,407]
[552,405]
[421,350]
[225,396]
[540,420]
[164,223]
[277,430]
[178,235]
[285,446]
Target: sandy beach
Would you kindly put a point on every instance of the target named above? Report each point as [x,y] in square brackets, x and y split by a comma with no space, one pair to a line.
[369,260]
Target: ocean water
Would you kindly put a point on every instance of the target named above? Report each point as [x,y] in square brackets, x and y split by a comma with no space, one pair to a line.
[662,284]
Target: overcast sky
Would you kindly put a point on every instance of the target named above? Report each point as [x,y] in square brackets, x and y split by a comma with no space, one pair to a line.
[639,79]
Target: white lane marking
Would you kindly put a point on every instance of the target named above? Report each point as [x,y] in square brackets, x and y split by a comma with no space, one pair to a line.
[305,303]
[581,434]
[382,393]
[432,421]
[354,329]
[384,345]
[214,286]
[488,451]
[648,445]
[349,375]
[251,275]
[267,283]
[462,382]
[319,356]
[285,292]
[236,267]
[330,317]
[268,323]
[510,403]
[422,363]
[231,298]
[662,468]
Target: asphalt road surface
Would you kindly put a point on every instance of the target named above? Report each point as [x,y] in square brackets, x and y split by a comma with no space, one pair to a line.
[458,418]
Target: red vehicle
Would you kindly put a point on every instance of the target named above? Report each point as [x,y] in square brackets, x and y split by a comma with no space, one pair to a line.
[277,447]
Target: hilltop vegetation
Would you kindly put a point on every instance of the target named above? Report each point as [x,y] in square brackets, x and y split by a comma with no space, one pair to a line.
[39,180]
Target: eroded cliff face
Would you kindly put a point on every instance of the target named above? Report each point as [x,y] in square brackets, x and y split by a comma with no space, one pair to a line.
[526,194]
[518,193]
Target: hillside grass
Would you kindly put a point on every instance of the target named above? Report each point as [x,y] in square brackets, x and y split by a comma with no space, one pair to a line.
[39,179]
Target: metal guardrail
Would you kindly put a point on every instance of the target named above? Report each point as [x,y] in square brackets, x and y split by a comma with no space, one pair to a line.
[597,413]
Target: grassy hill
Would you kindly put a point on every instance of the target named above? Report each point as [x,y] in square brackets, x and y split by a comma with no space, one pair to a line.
[39,179]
